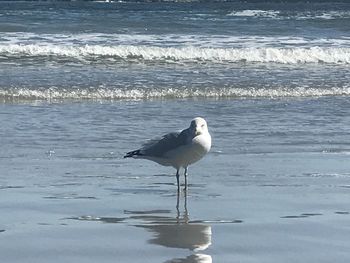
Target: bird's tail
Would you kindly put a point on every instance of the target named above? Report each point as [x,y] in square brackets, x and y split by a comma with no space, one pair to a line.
[132,154]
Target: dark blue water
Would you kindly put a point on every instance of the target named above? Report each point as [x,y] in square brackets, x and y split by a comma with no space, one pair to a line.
[128,50]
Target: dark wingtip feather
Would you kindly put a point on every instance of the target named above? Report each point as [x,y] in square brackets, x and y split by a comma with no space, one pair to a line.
[132,153]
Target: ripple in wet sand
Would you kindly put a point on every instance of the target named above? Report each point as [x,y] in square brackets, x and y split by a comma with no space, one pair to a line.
[2,187]
[70,197]
[304,215]
[342,213]
[98,219]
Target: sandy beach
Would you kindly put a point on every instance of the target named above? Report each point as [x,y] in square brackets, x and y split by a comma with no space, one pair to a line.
[259,196]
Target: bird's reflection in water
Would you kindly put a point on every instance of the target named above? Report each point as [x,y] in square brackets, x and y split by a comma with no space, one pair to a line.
[180,232]
[196,258]
[173,232]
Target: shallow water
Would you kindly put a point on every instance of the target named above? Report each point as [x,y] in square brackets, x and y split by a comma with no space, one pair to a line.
[83,82]
[274,187]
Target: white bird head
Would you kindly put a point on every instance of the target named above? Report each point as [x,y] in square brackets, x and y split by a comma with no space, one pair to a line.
[199,126]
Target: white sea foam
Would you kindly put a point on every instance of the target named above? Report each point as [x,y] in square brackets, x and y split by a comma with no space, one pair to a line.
[183,54]
[169,40]
[326,15]
[276,14]
[168,93]
[255,13]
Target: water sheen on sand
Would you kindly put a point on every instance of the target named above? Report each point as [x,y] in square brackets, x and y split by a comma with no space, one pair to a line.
[274,188]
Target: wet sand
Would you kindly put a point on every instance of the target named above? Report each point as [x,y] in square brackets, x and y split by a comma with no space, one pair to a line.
[68,195]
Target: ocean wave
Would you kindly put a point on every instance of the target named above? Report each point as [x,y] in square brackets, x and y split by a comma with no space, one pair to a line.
[167,40]
[255,13]
[54,93]
[279,15]
[335,55]
[326,15]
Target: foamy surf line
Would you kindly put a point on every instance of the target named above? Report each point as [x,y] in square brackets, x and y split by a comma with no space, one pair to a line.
[300,15]
[297,55]
[14,94]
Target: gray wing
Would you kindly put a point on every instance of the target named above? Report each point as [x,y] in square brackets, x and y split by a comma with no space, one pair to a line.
[170,141]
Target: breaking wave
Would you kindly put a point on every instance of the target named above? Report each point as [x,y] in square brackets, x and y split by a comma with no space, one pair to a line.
[255,13]
[279,15]
[296,55]
[13,94]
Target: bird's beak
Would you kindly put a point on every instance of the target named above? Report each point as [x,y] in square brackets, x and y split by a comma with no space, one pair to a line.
[197,132]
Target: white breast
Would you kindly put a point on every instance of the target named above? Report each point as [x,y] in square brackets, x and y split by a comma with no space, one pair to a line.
[190,153]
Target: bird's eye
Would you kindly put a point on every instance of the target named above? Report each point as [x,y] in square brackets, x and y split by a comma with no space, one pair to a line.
[202,125]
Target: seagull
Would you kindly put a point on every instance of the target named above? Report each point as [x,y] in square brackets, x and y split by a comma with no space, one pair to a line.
[177,149]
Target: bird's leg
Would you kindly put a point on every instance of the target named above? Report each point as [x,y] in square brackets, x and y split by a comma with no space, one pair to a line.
[177,207]
[185,179]
[178,180]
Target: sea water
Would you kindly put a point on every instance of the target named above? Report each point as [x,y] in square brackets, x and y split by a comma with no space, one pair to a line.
[140,50]
[84,82]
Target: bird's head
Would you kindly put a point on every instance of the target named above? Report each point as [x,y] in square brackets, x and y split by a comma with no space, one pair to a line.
[199,126]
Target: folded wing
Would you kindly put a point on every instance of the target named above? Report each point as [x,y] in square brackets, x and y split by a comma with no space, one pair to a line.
[159,147]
